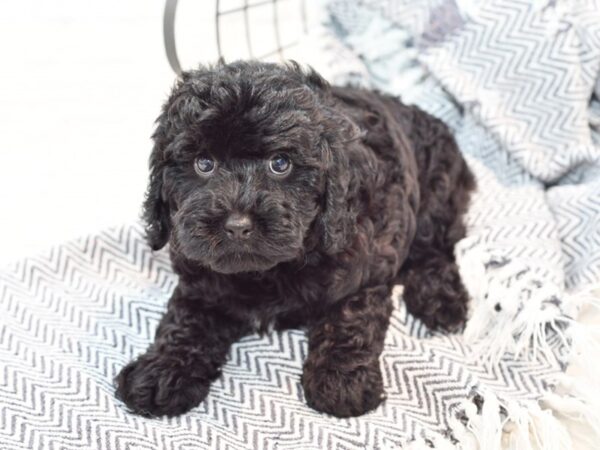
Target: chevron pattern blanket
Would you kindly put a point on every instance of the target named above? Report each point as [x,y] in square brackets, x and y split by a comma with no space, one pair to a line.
[518,83]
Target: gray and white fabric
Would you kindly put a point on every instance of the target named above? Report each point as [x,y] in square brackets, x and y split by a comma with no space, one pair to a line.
[72,317]
[516,83]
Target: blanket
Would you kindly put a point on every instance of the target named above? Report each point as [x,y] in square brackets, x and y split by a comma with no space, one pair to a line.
[71,318]
[518,84]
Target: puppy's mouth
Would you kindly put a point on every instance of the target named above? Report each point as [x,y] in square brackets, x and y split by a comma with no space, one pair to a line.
[236,262]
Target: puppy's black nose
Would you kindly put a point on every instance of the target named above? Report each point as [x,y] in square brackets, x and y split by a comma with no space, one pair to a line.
[239,226]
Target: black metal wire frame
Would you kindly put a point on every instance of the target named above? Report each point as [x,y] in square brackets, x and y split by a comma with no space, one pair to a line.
[169,35]
[169,29]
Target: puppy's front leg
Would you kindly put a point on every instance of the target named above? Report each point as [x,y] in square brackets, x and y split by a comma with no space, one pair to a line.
[341,373]
[175,373]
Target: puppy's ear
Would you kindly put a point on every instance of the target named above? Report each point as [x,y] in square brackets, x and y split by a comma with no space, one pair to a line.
[337,220]
[180,110]
[156,208]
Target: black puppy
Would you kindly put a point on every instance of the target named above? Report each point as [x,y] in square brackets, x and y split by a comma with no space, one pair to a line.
[290,202]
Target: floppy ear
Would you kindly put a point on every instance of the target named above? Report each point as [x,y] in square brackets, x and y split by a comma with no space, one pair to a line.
[181,109]
[156,208]
[337,220]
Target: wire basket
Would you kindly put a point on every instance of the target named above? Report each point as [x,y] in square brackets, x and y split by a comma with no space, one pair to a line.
[279,23]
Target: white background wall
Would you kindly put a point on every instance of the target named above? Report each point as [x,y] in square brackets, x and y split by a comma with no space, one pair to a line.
[81,83]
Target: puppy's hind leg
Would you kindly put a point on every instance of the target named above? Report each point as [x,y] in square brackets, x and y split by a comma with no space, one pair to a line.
[433,290]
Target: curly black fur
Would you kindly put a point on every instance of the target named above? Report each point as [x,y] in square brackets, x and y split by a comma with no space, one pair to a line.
[374,197]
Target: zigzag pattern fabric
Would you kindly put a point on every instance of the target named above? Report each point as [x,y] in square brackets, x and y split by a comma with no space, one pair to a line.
[519,86]
[70,319]
[524,76]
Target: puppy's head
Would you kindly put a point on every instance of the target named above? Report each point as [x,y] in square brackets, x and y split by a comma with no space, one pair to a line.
[248,168]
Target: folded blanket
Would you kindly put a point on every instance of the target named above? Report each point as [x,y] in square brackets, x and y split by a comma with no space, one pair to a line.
[516,83]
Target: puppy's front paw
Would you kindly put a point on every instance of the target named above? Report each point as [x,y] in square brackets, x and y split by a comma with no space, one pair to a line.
[158,385]
[343,394]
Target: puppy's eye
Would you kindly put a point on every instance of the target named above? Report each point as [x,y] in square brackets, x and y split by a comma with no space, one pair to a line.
[204,166]
[280,164]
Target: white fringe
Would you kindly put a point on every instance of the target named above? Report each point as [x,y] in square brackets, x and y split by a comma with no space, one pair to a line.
[512,310]
[435,439]
[585,414]
[502,425]
[527,425]
[515,426]
[529,311]
[576,395]
[547,424]
[530,425]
